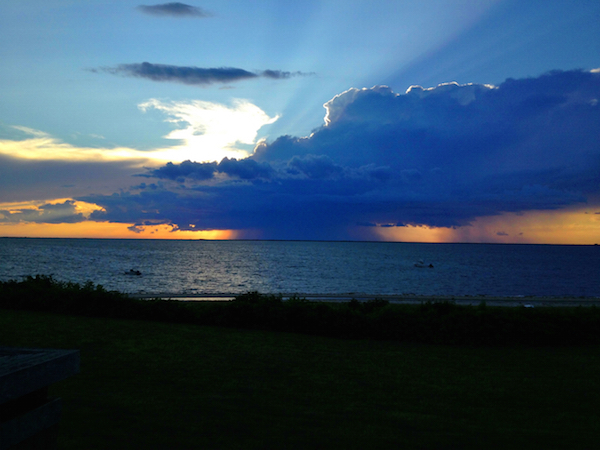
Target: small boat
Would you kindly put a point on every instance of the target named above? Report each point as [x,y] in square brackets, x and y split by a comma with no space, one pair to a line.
[133,272]
[420,263]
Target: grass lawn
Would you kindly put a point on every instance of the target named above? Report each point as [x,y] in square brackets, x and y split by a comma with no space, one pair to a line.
[154,385]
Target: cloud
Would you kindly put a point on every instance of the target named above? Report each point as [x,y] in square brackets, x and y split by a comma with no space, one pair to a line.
[438,157]
[41,167]
[187,169]
[244,169]
[193,75]
[40,146]
[314,167]
[174,9]
[65,212]
[282,75]
[26,180]
[182,74]
[37,166]
[209,131]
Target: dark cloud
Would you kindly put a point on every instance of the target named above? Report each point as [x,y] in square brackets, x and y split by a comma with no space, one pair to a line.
[29,179]
[47,213]
[245,169]
[438,157]
[187,169]
[181,74]
[174,10]
[192,75]
[314,167]
[279,74]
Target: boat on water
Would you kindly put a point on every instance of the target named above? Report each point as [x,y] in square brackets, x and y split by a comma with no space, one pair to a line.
[421,264]
[133,272]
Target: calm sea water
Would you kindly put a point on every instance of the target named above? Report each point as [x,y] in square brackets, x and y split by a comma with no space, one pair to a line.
[231,267]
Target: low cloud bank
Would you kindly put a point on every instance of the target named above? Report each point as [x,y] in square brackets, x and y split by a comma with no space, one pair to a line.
[65,212]
[439,157]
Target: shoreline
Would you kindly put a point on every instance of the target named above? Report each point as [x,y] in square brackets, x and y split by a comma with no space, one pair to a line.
[466,300]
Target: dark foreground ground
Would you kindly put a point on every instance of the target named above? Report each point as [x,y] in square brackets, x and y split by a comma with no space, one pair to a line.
[153,385]
[258,372]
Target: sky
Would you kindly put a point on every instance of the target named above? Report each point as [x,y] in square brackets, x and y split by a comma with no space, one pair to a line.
[428,121]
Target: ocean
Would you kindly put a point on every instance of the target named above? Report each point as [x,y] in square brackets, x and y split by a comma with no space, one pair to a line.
[207,268]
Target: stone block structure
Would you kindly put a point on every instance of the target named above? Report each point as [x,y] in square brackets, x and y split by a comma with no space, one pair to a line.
[28,418]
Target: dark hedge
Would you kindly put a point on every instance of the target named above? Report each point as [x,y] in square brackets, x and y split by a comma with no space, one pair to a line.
[429,322]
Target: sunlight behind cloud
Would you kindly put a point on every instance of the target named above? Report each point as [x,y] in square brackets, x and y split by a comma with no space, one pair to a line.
[209,131]
[206,131]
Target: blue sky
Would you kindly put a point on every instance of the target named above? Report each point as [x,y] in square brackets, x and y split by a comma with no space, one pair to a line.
[102,102]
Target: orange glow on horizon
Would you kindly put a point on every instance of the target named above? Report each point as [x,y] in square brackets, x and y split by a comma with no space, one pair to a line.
[570,227]
[106,230]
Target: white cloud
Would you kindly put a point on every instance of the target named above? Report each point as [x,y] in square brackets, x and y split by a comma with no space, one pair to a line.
[336,107]
[462,93]
[206,131]
[44,147]
[210,131]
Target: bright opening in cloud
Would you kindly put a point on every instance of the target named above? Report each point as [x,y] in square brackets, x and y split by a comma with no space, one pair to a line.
[209,131]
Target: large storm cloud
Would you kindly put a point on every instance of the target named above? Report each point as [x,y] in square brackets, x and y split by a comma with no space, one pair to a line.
[439,157]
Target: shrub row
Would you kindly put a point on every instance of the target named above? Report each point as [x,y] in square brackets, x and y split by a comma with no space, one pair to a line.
[440,322]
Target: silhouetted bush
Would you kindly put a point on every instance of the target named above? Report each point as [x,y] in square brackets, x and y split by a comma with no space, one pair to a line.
[429,322]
